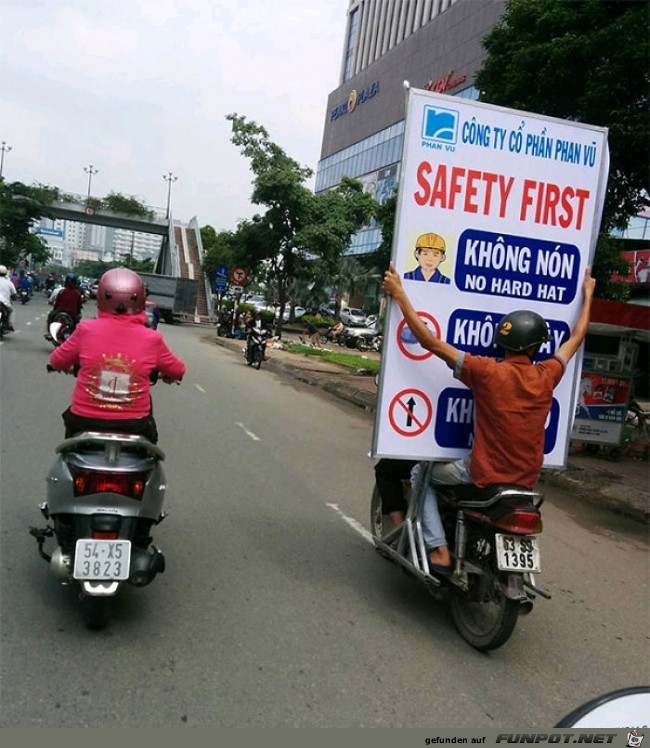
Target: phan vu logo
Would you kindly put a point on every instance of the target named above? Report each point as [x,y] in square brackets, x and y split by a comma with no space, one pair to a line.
[634,739]
[439,126]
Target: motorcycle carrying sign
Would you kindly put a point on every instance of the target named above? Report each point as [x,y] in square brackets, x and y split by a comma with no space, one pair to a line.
[498,210]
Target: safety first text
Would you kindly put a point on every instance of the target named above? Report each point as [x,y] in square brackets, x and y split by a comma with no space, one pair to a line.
[489,193]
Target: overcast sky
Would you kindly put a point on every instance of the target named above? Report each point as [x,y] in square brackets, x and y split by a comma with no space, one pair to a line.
[139,88]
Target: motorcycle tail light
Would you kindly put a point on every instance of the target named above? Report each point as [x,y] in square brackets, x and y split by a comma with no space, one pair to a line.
[91,481]
[97,535]
[520,522]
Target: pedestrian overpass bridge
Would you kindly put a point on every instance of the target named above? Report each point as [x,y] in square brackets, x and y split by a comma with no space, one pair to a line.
[181,251]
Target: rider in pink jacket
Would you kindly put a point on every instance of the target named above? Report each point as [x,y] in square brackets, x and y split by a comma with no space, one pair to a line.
[114,356]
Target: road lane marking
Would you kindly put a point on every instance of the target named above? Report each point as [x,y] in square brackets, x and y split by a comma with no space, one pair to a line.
[353,523]
[253,436]
[199,388]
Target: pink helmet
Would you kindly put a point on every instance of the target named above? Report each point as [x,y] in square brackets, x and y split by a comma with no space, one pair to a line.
[120,291]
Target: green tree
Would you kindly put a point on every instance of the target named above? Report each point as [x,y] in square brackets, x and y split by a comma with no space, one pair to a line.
[385,217]
[128,205]
[351,277]
[20,208]
[92,268]
[217,250]
[297,226]
[139,266]
[585,60]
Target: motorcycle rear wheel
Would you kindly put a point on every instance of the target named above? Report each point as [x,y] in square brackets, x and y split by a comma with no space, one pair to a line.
[484,617]
[95,611]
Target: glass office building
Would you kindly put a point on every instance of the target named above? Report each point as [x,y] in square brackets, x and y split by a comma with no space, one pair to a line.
[432,44]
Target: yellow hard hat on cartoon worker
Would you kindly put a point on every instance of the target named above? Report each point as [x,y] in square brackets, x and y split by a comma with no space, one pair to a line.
[430,241]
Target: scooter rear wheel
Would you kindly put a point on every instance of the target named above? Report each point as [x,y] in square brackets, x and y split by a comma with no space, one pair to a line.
[484,617]
[257,355]
[95,611]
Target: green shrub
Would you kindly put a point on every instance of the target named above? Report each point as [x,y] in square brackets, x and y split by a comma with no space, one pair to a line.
[322,323]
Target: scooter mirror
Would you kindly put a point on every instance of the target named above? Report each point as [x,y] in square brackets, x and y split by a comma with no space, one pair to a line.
[625,708]
[54,329]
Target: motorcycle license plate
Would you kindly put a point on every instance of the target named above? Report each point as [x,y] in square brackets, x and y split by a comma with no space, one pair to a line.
[102,560]
[518,553]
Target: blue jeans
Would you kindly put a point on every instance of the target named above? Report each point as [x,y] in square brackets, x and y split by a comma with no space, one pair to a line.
[444,473]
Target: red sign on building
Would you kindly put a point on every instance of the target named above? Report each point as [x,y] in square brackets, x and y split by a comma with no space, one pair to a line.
[445,83]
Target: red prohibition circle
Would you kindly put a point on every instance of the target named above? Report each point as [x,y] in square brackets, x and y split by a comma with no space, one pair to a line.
[404,349]
[422,424]
[239,276]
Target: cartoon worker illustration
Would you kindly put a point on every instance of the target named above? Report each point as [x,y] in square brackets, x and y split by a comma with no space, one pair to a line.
[429,252]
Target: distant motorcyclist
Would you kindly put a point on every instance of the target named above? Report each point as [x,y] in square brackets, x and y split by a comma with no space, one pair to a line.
[114,357]
[69,300]
[152,310]
[253,331]
[25,282]
[7,295]
[50,282]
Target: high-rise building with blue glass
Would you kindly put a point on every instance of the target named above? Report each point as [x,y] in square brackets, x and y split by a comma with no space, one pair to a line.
[433,44]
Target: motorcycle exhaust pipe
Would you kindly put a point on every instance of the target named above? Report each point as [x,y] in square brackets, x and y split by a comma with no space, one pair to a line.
[525,607]
[145,565]
[60,564]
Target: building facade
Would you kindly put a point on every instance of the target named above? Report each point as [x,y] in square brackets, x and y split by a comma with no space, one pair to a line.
[432,44]
[70,242]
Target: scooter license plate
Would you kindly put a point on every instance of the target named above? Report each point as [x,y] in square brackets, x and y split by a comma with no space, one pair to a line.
[102,560]
[518,553]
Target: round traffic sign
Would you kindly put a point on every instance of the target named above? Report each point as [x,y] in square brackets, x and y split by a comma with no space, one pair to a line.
[239,276]
[407,342]
[410,412]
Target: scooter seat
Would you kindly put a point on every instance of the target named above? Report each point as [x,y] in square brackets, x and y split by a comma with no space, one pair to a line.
[469,495]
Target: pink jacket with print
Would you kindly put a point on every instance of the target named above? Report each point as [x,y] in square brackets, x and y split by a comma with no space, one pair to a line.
[115,353]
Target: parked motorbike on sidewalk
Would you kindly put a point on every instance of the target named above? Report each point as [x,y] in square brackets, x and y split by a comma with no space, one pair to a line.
[105,493]
[255,350]
[493,538]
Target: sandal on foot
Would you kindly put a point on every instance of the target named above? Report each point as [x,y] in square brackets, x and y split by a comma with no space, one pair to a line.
[444,571]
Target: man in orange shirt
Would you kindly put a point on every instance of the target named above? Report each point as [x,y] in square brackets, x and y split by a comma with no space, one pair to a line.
[512,398]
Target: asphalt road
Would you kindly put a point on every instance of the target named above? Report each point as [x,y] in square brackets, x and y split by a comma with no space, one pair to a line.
[275,610]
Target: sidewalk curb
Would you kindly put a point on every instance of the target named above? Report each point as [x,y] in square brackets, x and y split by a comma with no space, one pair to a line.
[632,503]
[329,383]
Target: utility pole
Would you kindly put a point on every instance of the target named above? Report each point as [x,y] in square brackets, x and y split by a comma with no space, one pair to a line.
[169,178]
[90,171]
[4,148]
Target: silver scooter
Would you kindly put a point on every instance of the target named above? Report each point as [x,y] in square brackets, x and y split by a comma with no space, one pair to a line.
[105,493]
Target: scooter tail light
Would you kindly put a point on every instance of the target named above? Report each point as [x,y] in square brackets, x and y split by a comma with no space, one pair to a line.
[520,522]
[92,481]
[98,535]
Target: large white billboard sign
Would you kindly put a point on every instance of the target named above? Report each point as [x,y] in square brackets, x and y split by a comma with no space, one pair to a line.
[510,203]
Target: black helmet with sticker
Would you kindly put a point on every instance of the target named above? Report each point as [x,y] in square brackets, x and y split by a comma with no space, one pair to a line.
[520,330]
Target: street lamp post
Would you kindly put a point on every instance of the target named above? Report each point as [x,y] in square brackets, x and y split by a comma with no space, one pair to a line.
[169,178]
[4,148]
[90,171]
